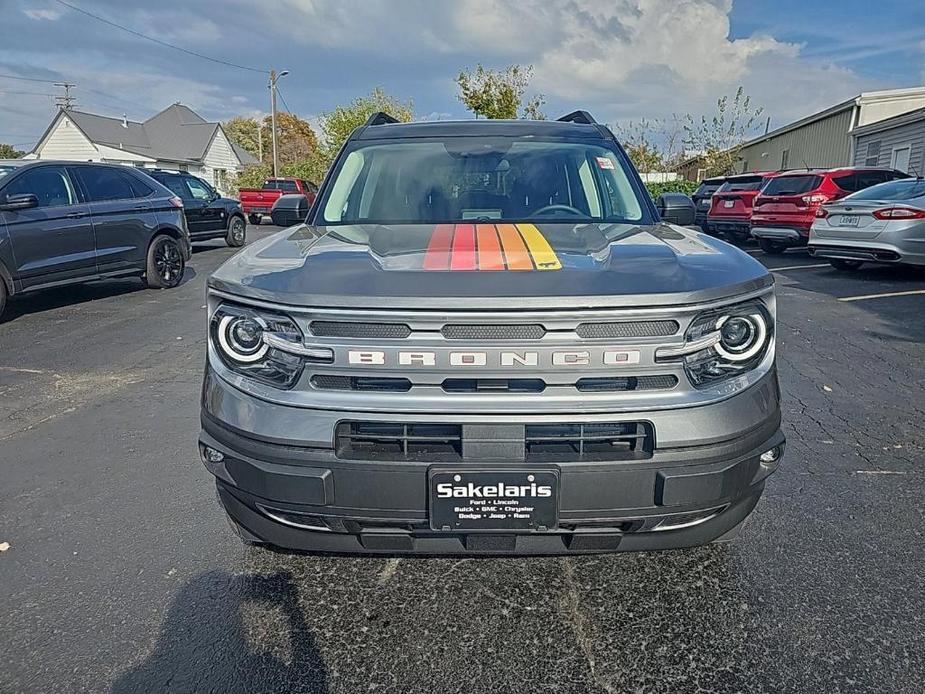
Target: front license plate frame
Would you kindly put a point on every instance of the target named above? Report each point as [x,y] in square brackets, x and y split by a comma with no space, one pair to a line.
[529,512]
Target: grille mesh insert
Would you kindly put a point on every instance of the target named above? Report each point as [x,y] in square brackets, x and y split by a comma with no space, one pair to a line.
[360,330]
[626,383]
[329,382]
[460,331]
[619,441]
[649,328]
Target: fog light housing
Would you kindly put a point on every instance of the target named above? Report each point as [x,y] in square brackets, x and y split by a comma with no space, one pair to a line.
[211,455]
[771,456]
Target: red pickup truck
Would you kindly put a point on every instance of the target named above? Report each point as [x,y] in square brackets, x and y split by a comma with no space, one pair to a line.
[256,202]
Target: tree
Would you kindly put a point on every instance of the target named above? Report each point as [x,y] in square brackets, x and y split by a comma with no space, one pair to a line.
[499,93]
[9,152]
[244,132]
[652,144]
[337,125]
[295,139]
[718,140]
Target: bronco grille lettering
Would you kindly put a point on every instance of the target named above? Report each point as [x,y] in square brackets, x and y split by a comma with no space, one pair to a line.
[470,359]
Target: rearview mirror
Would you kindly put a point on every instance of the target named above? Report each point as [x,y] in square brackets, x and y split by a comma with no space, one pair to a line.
[676,208]
[20,201]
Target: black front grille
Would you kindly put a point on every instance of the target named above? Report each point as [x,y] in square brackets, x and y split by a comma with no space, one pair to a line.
[626,383]
[388,331]
[648,328]
[398,441]
[368,383]
[459,331]
[562,442]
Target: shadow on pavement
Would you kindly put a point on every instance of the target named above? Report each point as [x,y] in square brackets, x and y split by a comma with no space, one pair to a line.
[207,642]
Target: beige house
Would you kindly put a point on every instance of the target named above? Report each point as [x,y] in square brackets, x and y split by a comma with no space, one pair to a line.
[175,138]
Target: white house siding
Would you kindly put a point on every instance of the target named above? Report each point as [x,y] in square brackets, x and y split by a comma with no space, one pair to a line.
[219,158]
[887,140]
[114,155]
[67,142]
[875,108]
[822,143]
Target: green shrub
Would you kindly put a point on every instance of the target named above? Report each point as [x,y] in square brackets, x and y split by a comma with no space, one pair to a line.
[679,186]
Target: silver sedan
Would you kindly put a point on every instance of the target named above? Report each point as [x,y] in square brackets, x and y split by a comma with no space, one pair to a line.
[881,224]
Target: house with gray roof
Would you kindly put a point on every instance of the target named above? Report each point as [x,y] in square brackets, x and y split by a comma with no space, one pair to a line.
[176,138]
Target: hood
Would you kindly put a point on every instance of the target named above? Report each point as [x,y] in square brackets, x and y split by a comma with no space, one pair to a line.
[479,266]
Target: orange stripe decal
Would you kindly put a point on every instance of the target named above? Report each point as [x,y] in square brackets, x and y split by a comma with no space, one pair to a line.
[463,257]
[490,257]
[515,252]
[438,250]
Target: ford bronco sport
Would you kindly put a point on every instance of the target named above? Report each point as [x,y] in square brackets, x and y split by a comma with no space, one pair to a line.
[484,341]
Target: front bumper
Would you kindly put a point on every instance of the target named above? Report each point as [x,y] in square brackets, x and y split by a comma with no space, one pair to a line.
[701,481]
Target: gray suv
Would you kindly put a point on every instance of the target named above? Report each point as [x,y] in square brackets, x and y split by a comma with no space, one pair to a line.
[485,341]
[68,222]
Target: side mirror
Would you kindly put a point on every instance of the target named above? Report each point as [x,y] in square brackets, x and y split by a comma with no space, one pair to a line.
[20,201]
[676,208]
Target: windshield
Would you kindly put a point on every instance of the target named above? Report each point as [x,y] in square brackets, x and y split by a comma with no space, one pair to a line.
[902,189]
[281,185]
[464,178]
[4,170]
[740,184]
[791,185]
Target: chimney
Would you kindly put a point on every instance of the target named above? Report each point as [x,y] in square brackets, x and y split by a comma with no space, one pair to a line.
[124,121]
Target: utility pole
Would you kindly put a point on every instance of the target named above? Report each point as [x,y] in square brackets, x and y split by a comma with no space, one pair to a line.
[65,101]
[274,78]
[260,140]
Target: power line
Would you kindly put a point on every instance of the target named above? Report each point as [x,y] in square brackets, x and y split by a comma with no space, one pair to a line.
[10,91]
[27,79]
[283,99]
[159,41]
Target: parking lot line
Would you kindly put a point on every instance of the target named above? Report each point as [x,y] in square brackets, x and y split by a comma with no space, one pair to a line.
[885,295]
[797,267]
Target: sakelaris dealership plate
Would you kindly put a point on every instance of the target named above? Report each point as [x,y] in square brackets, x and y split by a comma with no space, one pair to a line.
[513,500]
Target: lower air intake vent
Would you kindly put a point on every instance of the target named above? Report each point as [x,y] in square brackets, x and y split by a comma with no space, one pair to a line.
[626,383]
[494,385]
[389,331]
[390,385]
[398,441]
[561,442]
[454,331]
[649,328]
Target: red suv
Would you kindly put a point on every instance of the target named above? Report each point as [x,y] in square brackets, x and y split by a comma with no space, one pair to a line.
[786,206]
[731,206]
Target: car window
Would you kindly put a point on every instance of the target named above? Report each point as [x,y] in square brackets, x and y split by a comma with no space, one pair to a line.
[289,186]
[900,189]
[866,179]
[105,183]
[140,187]
[707,188]
[197,189]
[49,184]
[175,184]
[4,170]
[791,185]
[462,179]
[741,184]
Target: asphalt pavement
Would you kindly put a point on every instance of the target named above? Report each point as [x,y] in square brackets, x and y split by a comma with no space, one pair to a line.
[121,574]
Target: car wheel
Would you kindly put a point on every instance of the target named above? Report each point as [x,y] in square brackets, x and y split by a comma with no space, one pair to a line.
[2,297]
[165,263]
[771,247]
[843,265]
[254,219]
[237,232]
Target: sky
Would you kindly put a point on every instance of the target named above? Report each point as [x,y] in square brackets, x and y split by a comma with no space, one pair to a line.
[619,59]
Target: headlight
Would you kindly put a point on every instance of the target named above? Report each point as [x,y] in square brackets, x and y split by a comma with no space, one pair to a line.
[724,343]
[262,345]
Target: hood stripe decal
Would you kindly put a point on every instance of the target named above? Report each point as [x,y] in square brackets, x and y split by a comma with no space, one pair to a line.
[463,257]
[438,250]
[515,251]
[490,257]
[543,255]
[489,247]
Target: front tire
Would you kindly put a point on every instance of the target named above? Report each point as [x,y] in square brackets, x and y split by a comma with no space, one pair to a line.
[255,219]
[237,232]
[771,247]
[166,263]
[2,297]
[843,265]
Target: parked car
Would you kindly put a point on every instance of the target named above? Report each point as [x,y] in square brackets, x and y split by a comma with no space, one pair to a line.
[68,222]
[381,379]
[208,214]
[731,205]
[702,198]
[289,210]
[257,202]
[882,224]
[786,207]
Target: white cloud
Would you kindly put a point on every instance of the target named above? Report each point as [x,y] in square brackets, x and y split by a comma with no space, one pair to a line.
[42,15]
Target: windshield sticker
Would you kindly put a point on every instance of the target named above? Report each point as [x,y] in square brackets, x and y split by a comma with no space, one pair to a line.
[604,163]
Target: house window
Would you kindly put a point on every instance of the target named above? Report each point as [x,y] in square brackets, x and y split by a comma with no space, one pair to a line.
[899,159]
[701,174]
[873,153]
[744,165]
[785,159]
[220,178]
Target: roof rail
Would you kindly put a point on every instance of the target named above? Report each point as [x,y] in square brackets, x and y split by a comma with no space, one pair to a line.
[578,117]
[381,118]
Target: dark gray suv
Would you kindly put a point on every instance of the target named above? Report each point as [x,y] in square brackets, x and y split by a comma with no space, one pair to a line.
[69,222]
